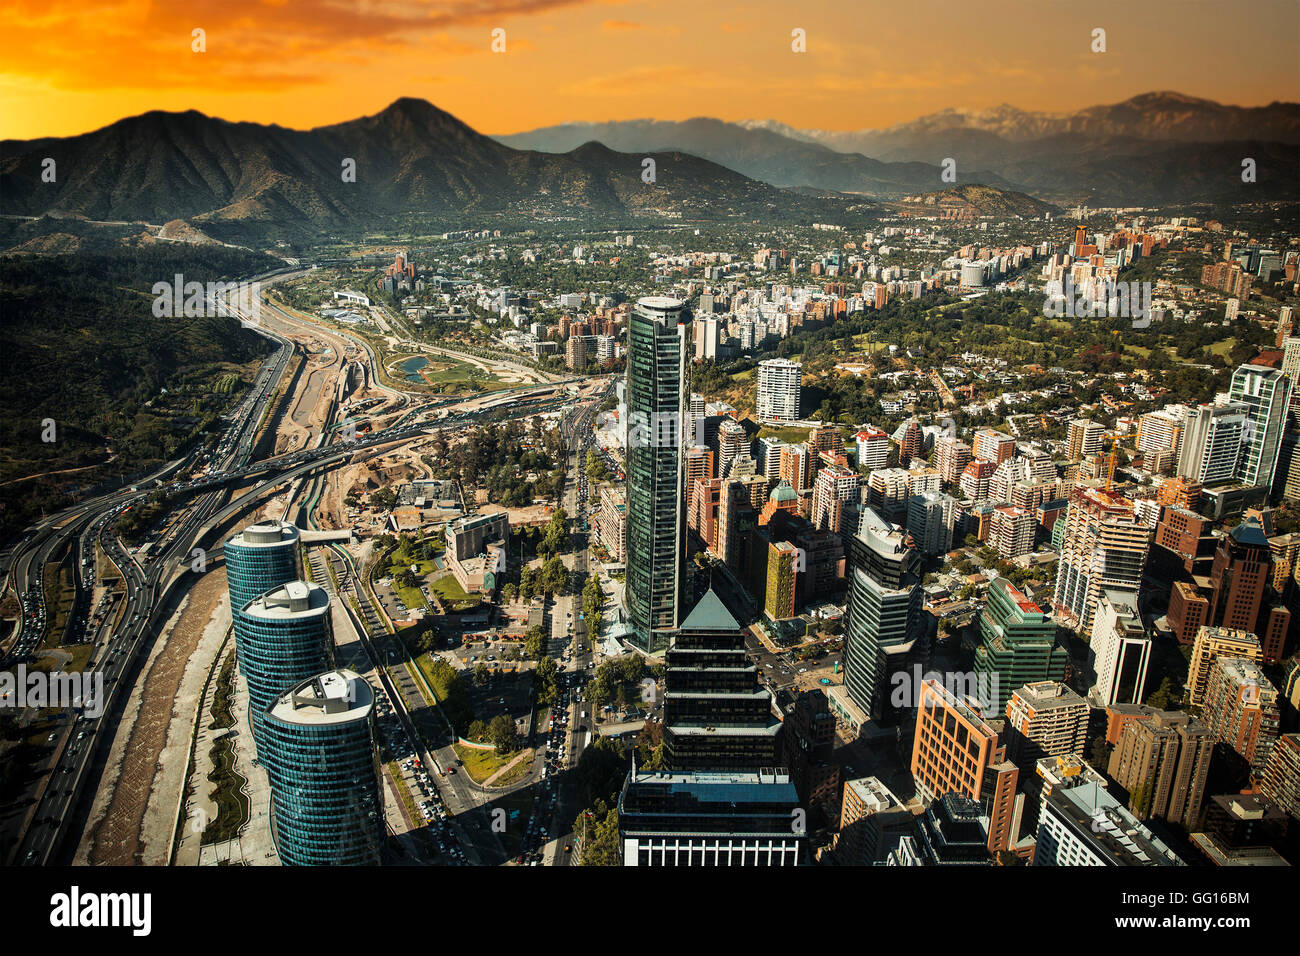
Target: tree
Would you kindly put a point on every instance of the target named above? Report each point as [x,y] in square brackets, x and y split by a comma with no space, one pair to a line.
[535,643]
[477,730]
[555,576]
[501,733]
[527,584]
[510,592]
[545,681]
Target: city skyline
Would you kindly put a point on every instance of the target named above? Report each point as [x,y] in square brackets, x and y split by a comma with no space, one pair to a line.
[317,63]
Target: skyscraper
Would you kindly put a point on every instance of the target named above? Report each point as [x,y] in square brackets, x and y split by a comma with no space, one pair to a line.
[259,558]
[1163,762]
[1120,649]
[1265,392]
[1017,645]
[282,638]
[955,751]
[884,631]
[657,396]
[716,716]
[322,761]
[777,399]
[1104,545]
[1211,445]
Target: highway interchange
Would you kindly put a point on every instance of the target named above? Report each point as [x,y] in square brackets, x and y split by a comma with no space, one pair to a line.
[156,576]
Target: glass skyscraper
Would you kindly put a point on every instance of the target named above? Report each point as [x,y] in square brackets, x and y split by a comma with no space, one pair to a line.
[259,558]
[320,756]
[716,716]
[884,632]
[657,411]
[1265,392]
[282,638]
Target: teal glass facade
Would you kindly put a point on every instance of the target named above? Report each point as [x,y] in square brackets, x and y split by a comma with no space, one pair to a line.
[323,766]
[258,559]
[282,638]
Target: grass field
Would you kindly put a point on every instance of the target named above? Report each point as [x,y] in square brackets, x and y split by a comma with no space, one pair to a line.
[481,764]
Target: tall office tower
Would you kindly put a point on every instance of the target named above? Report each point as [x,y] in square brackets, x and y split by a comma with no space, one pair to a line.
[1083,438]
[695,430]
[259,558]
[1239,583]
[322,761]
[716,715]
[1212,444]
[1163,762]
[1045,719]
[737,519]
[1241,710]
[777,400]
[994,446]
[951,457]
[1290,346]
[872,821]
[1281,780]
[656,523]
[1017,645]
[1012,531]
[1211,644]
[930,519]
[873,448]
[282,638]
[709,819]
[1266,393]
[733,441]
[885,632]
[834,485]
[955,751]
[1104,546]
[808,743]
[796,462]
[1162,430]
[1120,650]
[1080,824]
[911,441]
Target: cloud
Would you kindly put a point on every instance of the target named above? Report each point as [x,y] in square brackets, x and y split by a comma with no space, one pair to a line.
[621,26]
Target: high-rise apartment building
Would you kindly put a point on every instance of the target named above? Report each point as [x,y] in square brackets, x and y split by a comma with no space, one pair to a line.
[1104,545]
[1012,531]
[994,446]
[1162,430]
[1163,763]
[733,442]
[931,518]
[1212,444]
[322,761]
[873,448]
[1083,438]
[778,391]
[1241,709]
[835,484]
[1266,393]
[656,523]
[1119,652]
[1212,643]
[951,456]
[1045,719]
[1281,780]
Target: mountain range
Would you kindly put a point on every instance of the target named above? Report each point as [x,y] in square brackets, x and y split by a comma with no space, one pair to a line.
[1156,148]
[415,165]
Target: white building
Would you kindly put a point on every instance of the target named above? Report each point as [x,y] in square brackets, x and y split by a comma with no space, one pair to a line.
[778,391]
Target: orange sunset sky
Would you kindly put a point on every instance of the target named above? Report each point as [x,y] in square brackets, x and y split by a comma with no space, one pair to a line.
[70,67]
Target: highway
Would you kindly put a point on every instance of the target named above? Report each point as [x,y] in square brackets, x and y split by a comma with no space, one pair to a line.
[226,483]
